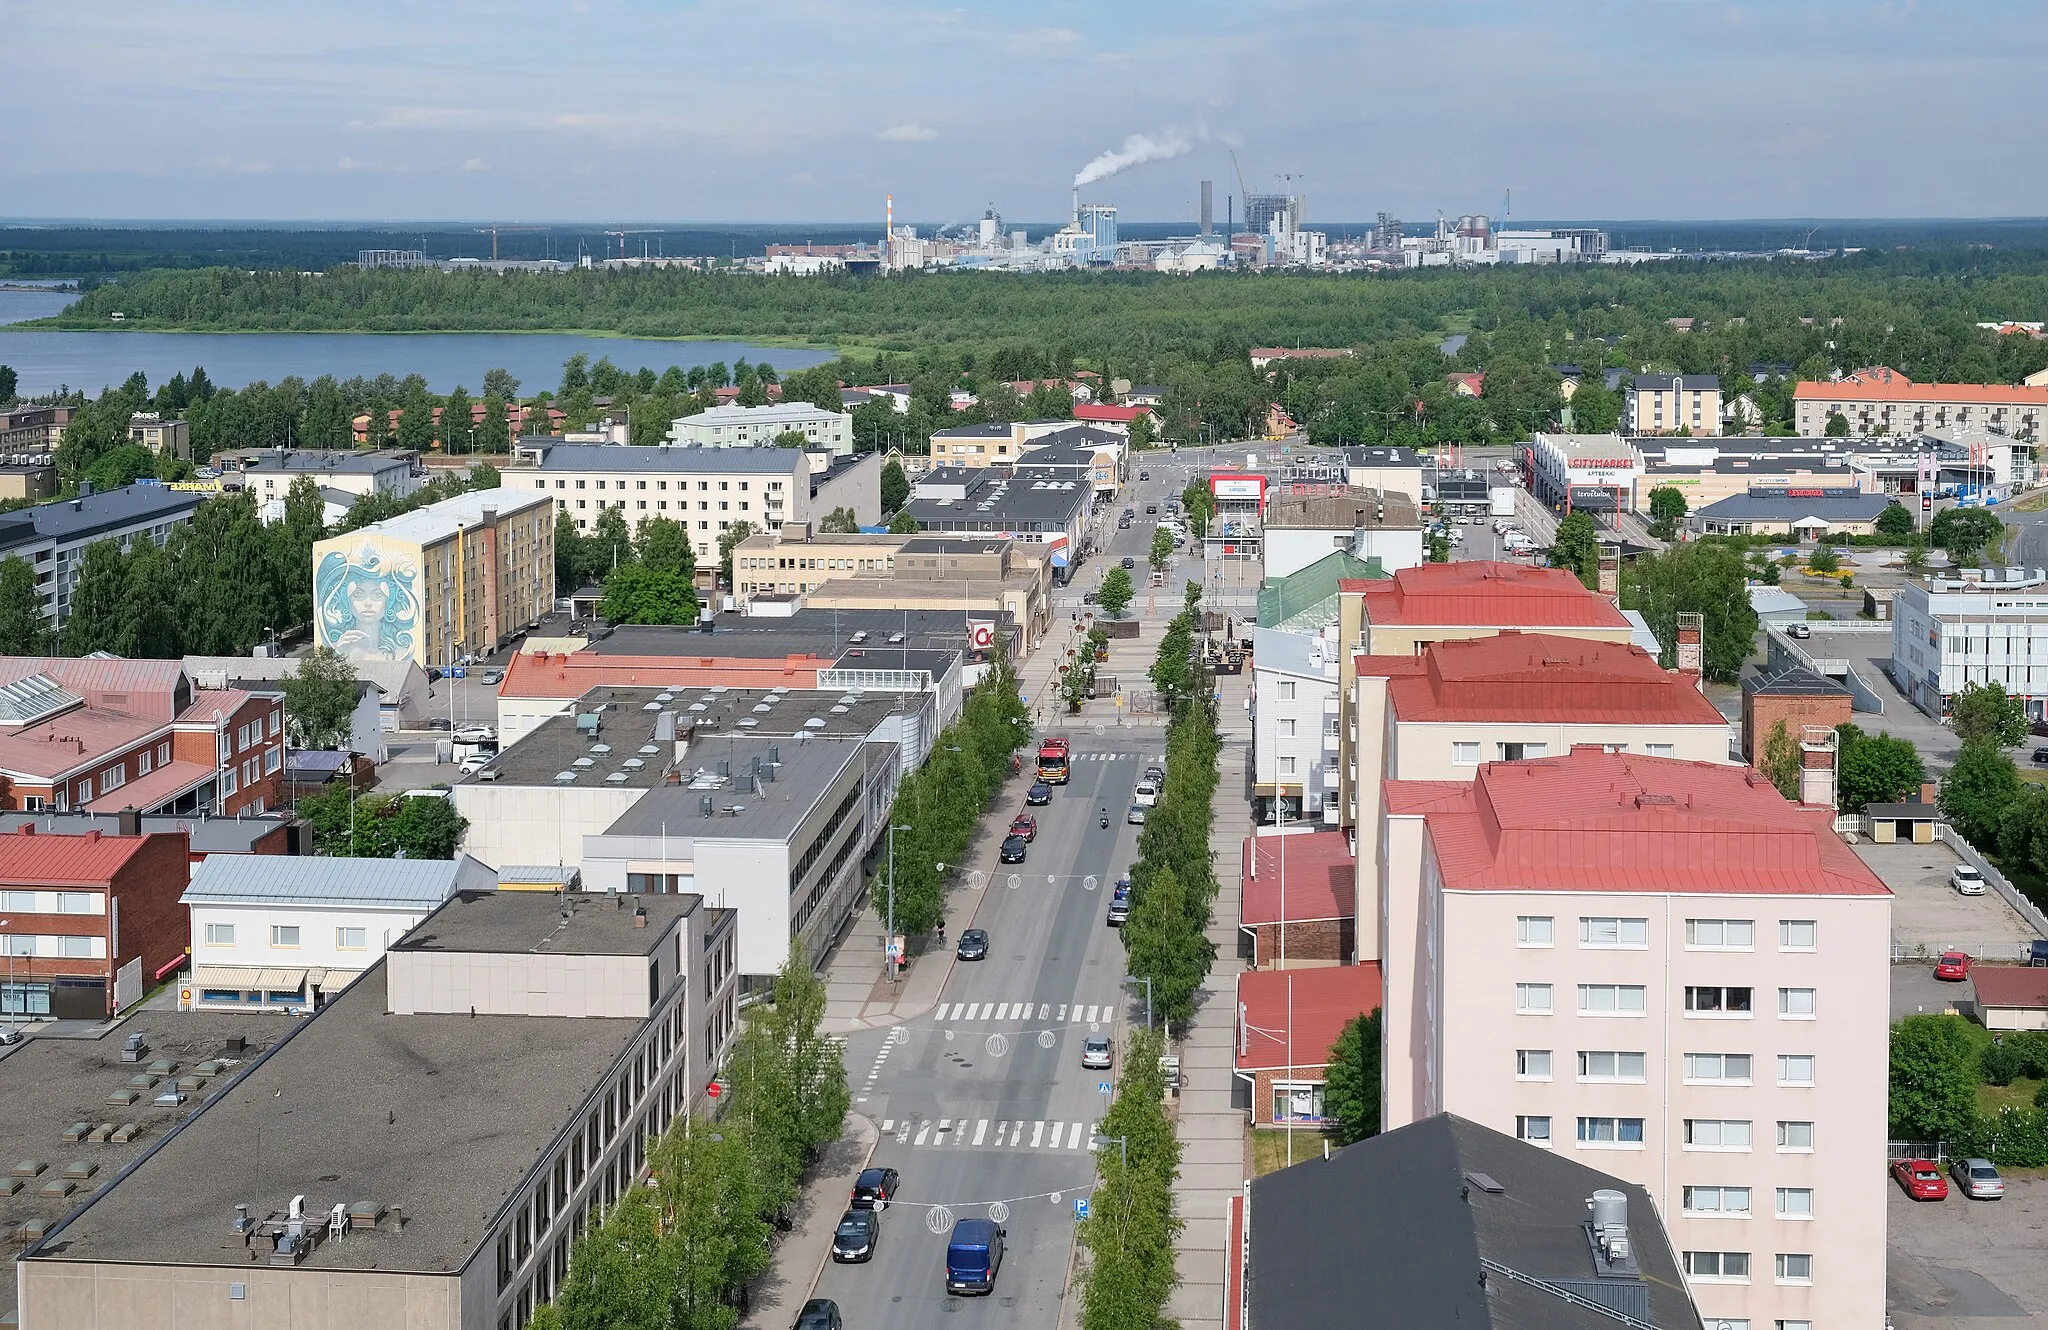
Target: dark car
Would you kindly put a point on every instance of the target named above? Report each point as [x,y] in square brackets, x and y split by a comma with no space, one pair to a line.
[1040,793]
[1024,825]
[1155,775]
[1144,475]
[873,1189]
[2041,756]
[818,1314]
[1151,508]
[854,1240]
[1129,562]
[1013,850]
[973,945]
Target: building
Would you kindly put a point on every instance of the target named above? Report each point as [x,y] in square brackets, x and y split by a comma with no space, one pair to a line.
[1080,451]
[404,694]
[1883,401]
[2011,997]
[986,577]
[1797,514]
[1306,600]
[1296,715]
[34,429]
[998,443]
[1117,419]
[1376,525]
[290,933]
[441,584]
[51,537]
[1668,403]
[269,473]
[1793,696]
[1446,1222]
[205,834]
[1300,902]
[434,1139]
[1035,509]
[1262,356]
[761,426]
[31,476]
[1287,1022]
[1575,471]
[1951,632]
[91,921]
[1664,967]
[165,438]
[103,735]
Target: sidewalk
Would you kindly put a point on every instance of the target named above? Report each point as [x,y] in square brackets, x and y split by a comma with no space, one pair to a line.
[801,1253]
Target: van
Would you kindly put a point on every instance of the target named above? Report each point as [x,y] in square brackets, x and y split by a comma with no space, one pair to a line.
[973,1256]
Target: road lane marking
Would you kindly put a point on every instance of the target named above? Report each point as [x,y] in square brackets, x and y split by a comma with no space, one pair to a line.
[1037,1130]
[1063,1013]
[980,1130]
[1074,1136]
[888,1125]
[922,1132]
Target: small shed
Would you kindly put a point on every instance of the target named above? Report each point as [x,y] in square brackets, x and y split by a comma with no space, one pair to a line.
[2011,997]
[1776,605]
[1912,822]
[1877,601]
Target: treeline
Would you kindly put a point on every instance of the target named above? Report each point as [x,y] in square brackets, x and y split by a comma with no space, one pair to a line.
[1130,1229]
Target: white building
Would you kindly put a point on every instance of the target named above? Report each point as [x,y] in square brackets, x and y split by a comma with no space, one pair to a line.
[1581,470]
[270,473]
[1951,632]
[280,931]
[51,537]
[759,426]
[1296,713]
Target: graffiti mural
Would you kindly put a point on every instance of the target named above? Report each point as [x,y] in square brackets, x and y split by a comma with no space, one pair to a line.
[366,602]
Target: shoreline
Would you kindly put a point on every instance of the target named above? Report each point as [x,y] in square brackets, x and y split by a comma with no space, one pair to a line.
[776,341]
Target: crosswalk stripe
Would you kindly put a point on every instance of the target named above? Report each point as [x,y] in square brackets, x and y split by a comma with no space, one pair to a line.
[922,1132]
[1074,1137]
[1037,1130]
[940,1014]
[980,1130]
[1063,1013]
[888,1125]
[1024,1010]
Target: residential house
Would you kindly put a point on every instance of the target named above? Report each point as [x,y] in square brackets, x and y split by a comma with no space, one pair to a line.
[88,922]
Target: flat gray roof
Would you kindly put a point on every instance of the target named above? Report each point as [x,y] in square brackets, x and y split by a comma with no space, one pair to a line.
[671,459]
[573,923]
[444,1115]
[1791,508]
[420,884]
[325,461]
[805,771]
[90,514]
[826,633]
[209,835]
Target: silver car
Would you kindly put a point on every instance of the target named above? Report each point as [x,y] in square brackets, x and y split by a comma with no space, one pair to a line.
[1095,1052]
[1977,1179]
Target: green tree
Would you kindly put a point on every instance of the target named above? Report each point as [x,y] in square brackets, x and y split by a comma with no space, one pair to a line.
[1351,1084]
[840,520]
[1984,711]
[9,381]
[499,383]
[1895,522]
[1116,593]
[568,546]
[1965,532]
[895,486]
[1706,578]
[151,628]
[484,476]
[1780,762]
[320,699]
[1977,790]
[1874,769]
[1916,553]
[1933,1078]
[789,438]
[728,540]
[662,544]
[23,629]
[495,435]
[98,592]
[575,376]
[1837,426]
[427,826]
[416,424]
[1200,505]
[1439,550]
[1667,510]
[903,524]
[634,593]
[1162,546]
[1576,548]
[1142,435]
[1131,1228]
[1824,559]
[1163,945]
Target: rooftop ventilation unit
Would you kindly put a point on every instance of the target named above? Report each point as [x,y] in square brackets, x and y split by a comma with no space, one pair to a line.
[633,764]
[706,806]
[600,748]
[698,706]
[747,722]
[616,778]
[817,722]
[725,768]
[583,762]
[564,777]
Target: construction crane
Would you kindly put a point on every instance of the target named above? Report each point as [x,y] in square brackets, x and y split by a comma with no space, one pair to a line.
[645,231]
[492,232]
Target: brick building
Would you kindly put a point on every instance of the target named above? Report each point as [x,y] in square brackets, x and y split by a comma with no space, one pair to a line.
[88,922]
[1793,694]
[1287,1021]
[1299,901]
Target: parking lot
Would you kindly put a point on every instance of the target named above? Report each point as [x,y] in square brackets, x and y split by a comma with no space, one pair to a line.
[1951,1263]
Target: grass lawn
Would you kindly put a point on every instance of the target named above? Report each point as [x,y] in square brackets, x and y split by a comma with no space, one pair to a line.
[1269,1147]
[2020,1094]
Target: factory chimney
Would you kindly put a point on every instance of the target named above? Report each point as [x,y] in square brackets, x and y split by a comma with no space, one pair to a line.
[1077,207]
[1208,208]
[888,230]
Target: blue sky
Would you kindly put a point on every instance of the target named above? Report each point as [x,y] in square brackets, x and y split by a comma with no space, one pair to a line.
[806,111]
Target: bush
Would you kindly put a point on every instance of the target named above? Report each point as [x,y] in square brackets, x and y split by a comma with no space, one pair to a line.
[2000,1064]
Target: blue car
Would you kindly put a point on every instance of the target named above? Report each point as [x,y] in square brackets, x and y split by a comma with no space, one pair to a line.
[1040,793]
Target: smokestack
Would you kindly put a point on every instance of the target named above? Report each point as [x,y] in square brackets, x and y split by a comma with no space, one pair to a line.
[1077,205]
[888,229]
[1208,208]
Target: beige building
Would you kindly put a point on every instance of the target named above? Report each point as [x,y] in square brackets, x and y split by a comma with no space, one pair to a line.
[440,584]
[761,426]
[166,438]
[983,445]
[828,570]
[1884,401]
[1668,403]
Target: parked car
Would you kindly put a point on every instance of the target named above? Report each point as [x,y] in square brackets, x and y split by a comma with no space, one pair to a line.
[2041,756]
[1977,1179]
[1024,825]
[874,1188]
[854,1239]
[973,1256]
[818,1314]
[1136,817]
[1147,794]
[1012,851]
[1967,880]
[1039,794]
[1144,475]
[1156,775]
[9,1035]
[1953,965]
[1095,1053]
[1798,630]
[1120,904]
[471,765]
[1151,509]
[1920,1179]
[973,945]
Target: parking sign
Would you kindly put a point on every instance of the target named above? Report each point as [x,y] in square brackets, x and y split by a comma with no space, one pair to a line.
[1080,1207]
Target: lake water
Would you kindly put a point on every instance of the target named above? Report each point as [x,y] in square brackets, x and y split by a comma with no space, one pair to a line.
[47,360]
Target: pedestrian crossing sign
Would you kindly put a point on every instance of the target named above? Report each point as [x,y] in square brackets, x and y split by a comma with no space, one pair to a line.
[1102,1087]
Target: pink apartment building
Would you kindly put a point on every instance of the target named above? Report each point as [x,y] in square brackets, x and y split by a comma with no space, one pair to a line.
[1667,969]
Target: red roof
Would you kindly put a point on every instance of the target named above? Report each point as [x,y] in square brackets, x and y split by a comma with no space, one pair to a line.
[167,782]
[1600,821]
[27,858]
[1319,868]
[1425,796]
[571,674]
[1483,594]
[1316,1003]
[2010,985]
[1880,384]
[1541,678]
[1122,415]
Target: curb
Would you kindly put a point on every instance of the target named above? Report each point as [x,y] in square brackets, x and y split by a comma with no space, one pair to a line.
[874,1142]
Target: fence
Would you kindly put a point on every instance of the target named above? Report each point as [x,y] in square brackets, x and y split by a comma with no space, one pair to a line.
[2011,894]
[2001,950]
[1935,1150]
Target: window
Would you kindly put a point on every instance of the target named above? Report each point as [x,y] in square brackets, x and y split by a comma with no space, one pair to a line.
[1716,1134]
[1797,934]
[1795,1267]
[1516,752]
[1716,1000]
[1604,931]
[1795,1137]
[227,781]
[351,939]
[1533,999]
[1713,1202]
[284,935]
[1604,1065]
[1795,1202]
[1535,1130]
[272,759]
[1618,1132]
[1659,750]
[1535,930]
[1791,1325]
[75,902]
[1465,754]
[1795,1069]
[163,753]
[79,946]
[1300,1101]
[1532,1064]
[142,763]
[1611,999]
[220,935]
[1721,934]
[1795,1004]
[1285,727]
[1718,1068]
[1287,766]
[1730,1267]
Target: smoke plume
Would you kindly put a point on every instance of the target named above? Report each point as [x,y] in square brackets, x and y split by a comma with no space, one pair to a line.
[1136,151]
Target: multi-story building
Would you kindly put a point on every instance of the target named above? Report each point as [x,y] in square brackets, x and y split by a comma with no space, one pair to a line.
[88,922]
[440,584]
[34,429]
[1668,403]
[1574,471]
[1883,401]
[980,576]
[760,426]
[1793,696]
[434,1139]
[28,476]
[1367,524]
[1665,968]
[269,473]
[1951,632]
[51,537]
[1051,511]
[166,438]
[1081,452]
[1296,724]
[999,443]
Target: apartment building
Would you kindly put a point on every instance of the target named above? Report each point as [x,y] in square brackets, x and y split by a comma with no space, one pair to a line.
[1296,727]
[1883,401]
[88,922]
[269,473]
[1663,968]
[994,575]
[34,429]
[997,443]
[1951,632]
[1366,524]
[51,537]
[761,426]
[1668,403]
[165,438]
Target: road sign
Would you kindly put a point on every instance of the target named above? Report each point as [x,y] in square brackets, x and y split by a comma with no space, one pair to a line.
[1080,1207]
[1102,1087]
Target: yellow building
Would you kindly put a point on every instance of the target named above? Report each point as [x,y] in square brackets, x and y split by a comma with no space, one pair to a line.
[451,580]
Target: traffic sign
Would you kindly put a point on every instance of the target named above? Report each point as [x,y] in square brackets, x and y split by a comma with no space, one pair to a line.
[1080,1207]
[1102,1087]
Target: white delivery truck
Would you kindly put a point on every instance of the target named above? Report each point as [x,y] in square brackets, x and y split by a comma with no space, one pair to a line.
[1503,499]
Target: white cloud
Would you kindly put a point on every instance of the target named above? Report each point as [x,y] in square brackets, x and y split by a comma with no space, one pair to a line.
[351,164]
[909,132]
[475,164]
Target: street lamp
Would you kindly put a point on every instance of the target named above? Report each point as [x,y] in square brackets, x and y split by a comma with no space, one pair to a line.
[1122,1144]
[1134,979]
[889,942]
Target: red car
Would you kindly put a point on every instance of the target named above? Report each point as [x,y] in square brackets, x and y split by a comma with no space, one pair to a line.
[1953,965]
[1921,1179]
[1025,825]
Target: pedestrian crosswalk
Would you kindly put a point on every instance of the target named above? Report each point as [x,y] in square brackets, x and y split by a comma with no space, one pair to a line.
[1029,1013]
[1115,757]
[991,1133]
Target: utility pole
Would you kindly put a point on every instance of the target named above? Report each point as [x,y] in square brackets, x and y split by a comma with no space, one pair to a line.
[889,941]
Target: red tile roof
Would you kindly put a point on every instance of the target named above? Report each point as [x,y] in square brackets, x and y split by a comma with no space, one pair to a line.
[1483,594]
[167,782]
[1881,384]
[571,674]
[1599,821]
[1318,867]
[1318,1003]
[1425,796]
[2010,985]
[1122,415]
[27,858]
[1541,678]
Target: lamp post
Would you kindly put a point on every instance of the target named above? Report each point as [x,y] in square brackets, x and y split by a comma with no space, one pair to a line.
[1135,979]
[889,941]
[10,975]
[1122,1144]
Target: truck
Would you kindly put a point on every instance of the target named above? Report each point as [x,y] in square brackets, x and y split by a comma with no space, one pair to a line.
[1052,760]
[1503,500]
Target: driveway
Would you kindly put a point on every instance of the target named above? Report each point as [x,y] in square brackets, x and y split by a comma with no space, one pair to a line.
[1929,917]
[1951,1264]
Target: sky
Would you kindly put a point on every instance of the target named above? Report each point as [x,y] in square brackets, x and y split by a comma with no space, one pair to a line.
[804,110]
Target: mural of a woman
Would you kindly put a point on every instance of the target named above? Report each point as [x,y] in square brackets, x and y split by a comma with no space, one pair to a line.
[368,603]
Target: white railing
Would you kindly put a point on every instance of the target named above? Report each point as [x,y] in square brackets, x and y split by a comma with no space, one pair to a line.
[1935,1150]
[2004,949]
[2026,908]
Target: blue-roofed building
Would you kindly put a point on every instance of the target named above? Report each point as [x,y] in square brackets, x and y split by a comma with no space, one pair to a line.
[51,537]
[1802,514]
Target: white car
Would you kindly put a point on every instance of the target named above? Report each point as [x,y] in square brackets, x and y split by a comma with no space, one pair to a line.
[1967,880]
[472,765]
[1147,794]
[1518,540]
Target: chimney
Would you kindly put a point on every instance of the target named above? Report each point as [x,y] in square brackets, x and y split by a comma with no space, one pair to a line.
[639,916]
[28,828]
[131,822]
